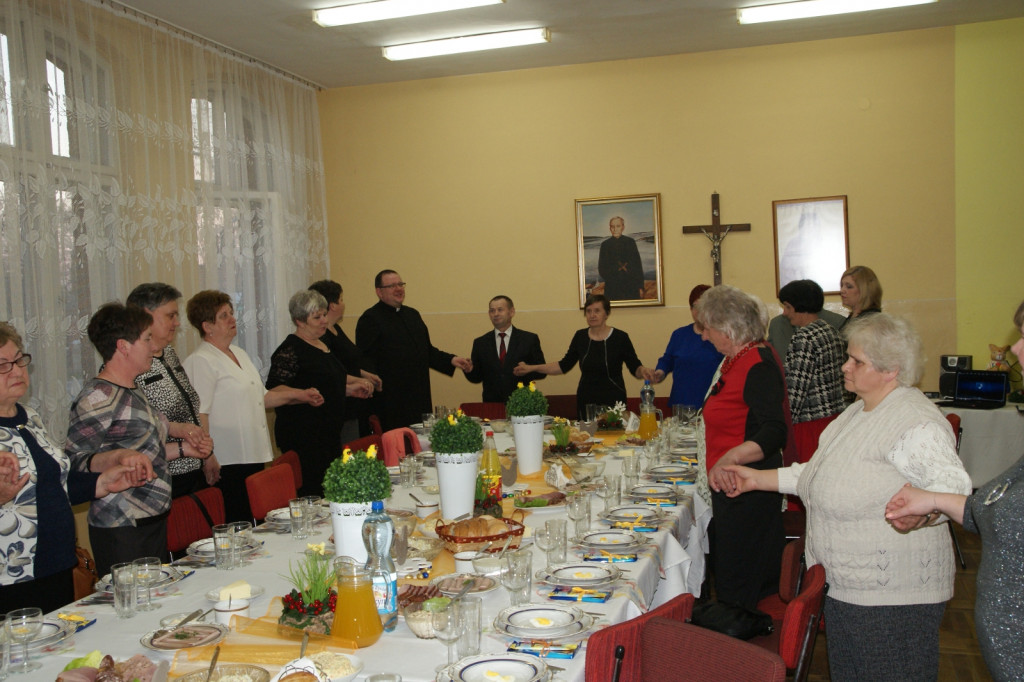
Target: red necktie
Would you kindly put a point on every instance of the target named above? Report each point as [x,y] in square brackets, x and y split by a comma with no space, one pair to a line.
[501,348]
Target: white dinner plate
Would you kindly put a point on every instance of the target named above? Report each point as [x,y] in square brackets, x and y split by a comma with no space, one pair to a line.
[612,538]
[254,591]
[482,668]
[168,576]
[212,632]
[632,513]
[653,491]
[282,515]
[670,470]
[204,548]
[53,632]
[484,584]
[540,620]
[580,575]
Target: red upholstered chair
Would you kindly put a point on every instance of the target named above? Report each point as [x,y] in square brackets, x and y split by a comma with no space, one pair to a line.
[187,523]
[671,650]
[375,427]
[365,442]
[291,458]
[794,637]
[398,442]
[958,432]
[790,579]
[270,489]
[563,406]
[601,645]
[484,410]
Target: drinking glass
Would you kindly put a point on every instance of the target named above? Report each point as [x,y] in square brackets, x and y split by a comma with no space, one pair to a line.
[22,625]
[297,516]
[5,653]
[515,575]
[470,610]
[446,629]
[125,590]
[601,490]
[407,468]
[542,538]
[243,541]
[579,511]
[630,470]
[556,530]
[147,572]
[311,513]
[224,546]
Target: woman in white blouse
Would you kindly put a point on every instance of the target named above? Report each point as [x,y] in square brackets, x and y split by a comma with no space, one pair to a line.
[232,399]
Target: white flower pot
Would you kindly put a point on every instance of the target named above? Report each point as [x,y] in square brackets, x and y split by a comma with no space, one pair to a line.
[529,436]
[347,521]
[456,475]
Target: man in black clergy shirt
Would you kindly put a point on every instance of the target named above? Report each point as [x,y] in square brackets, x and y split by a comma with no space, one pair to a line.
[496,353]
[619,264]
[396,347]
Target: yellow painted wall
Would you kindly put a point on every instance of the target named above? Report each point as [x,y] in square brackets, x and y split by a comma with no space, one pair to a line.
[989,182]
[466,185]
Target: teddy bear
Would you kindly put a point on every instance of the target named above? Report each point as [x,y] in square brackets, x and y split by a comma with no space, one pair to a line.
[998,355]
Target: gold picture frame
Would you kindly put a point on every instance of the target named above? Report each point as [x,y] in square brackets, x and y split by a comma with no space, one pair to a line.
[608,262]
[812,241]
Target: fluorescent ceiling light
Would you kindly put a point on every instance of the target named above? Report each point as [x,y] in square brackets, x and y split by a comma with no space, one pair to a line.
[817,8]
[485,41]
[390,9]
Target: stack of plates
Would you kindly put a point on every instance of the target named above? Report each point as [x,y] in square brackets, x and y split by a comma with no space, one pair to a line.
[589,575]
[204,550]
[616,540]
[168,575]
[542,621]
[484,667]
[634,513]
[665,470]
[661,491]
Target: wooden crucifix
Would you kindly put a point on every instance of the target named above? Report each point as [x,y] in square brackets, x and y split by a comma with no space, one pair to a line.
[716,232]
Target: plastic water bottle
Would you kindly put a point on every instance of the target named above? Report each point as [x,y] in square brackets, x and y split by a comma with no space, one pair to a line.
[647,394]
[378,533]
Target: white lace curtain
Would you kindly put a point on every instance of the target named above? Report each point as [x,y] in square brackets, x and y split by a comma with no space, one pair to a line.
[130,153]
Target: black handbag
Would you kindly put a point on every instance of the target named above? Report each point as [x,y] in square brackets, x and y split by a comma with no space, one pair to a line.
[731,619]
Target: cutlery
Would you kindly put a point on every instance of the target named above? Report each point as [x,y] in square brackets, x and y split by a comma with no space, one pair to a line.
[305,643]
[468,583]
[187,619]
[418,500]
[213,663]
[508,541]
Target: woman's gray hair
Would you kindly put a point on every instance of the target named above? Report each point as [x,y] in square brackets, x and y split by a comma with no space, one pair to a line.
[739,315]
[8,334]
[890,343]
[305,303]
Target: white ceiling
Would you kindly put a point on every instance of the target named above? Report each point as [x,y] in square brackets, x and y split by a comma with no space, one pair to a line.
[282,33]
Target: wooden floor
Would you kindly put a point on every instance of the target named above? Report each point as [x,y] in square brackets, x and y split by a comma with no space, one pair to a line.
[959,657]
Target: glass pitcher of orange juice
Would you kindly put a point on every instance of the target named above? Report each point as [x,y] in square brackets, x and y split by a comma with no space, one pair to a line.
[355,615]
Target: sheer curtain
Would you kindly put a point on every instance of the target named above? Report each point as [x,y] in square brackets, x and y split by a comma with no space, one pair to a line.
[132,153]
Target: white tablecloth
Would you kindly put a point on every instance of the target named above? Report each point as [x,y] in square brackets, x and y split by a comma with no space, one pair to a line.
[993,440]
[674,567]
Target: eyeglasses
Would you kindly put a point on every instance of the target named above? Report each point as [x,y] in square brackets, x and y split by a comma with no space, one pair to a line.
[22,361]
[392,286]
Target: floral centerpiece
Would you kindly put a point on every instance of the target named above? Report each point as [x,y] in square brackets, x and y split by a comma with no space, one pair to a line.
[526,401]
[526,408]
[611,420]
[562,431]
[351,484]
[456,442]
[310,604]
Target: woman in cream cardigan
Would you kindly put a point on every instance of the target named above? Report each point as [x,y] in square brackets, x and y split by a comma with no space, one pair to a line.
[887,589]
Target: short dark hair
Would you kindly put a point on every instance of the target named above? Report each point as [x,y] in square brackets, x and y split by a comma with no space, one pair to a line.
[805,295]
[379,279]
[203,307]
[697,292]
[152,295]
[598,298]
[510,303]
[115,321]
[328,288]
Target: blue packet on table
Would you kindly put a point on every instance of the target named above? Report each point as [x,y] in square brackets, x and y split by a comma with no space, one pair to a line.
[661,501]
[563,593]
[609,558]
[545,649]
[633,525]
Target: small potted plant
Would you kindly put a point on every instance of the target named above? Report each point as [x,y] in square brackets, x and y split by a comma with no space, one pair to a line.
[526,408]
[352,483]
[456,442]
[562,431]
[310,604]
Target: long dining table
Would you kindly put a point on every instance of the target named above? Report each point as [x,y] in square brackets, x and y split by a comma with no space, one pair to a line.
[671,564]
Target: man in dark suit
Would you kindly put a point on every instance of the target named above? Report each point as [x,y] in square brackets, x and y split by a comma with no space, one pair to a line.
[497,352]
[395,344]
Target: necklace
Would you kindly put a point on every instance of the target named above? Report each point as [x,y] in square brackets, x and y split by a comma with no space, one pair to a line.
[729,362]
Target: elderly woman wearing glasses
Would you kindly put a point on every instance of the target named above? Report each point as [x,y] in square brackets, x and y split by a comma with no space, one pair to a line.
[745,420]
[887,590]
[37,489]
[303,361]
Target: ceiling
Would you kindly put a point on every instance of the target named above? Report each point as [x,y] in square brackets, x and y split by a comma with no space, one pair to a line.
[282,33]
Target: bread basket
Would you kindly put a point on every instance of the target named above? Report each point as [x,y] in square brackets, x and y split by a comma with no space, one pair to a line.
[489,543]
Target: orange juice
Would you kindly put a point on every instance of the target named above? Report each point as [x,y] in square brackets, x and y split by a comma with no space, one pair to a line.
[648,425]
[355,616]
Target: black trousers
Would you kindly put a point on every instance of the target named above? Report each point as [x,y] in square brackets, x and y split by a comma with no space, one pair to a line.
[746,538]
[48,593]
[236,495]
[127,543]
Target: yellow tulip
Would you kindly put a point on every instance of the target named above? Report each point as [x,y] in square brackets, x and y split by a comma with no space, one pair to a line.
[371,452]
[346,456]
[533,387]
[519,385]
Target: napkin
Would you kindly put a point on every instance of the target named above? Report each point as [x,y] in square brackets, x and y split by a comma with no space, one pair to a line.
[545,649]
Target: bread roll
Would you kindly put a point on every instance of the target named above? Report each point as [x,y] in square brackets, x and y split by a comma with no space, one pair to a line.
[496,527]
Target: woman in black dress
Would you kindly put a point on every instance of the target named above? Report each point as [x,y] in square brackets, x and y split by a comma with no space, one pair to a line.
[304,361]
[601,351]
